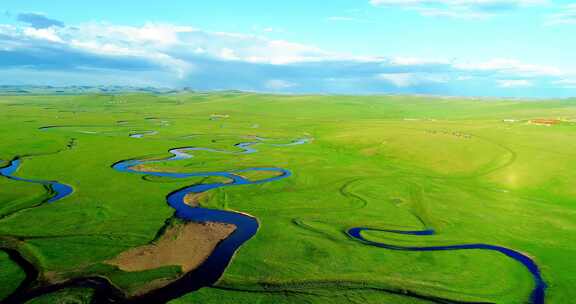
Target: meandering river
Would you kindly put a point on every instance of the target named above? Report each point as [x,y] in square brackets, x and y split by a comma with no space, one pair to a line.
[58,190]
[538,293]
[246,226]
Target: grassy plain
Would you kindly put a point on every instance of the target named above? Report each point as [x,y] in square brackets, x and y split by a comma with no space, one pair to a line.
[390,162]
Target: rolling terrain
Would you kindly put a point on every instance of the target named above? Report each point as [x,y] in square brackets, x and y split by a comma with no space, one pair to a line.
[232,197]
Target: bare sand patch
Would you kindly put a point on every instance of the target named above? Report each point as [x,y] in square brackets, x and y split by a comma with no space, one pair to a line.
[186,245]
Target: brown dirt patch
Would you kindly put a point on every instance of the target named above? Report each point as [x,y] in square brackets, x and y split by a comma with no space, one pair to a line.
[186,245]
[194,199]
[145,168]
[258,175]
[545,121]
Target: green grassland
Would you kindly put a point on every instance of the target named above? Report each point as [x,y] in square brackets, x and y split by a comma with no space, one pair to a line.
[389,162]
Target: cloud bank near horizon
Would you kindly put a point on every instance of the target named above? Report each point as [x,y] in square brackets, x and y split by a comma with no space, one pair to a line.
[44,51]
[463,9]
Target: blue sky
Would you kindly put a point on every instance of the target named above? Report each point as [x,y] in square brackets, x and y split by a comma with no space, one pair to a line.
[516,48]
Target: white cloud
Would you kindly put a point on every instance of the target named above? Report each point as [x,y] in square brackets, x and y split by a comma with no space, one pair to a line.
[407,61]
[267,29]
[471,3]
[208,60]
[566,83]
[403,80]
[514,83]
[155,34]
[43,34]
[165,44]
[453,13]
[567,16]
[511,67]
[468,9]
[174,46]
[181,67]
[278,84]
[399,80]
[283,52]
[165,38]
[228,54]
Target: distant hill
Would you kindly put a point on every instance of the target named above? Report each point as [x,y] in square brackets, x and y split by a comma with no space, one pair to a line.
[52,90]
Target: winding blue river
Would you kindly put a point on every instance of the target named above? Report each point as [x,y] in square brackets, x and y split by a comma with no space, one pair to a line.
[538,293]
[59,190]
[246,226]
